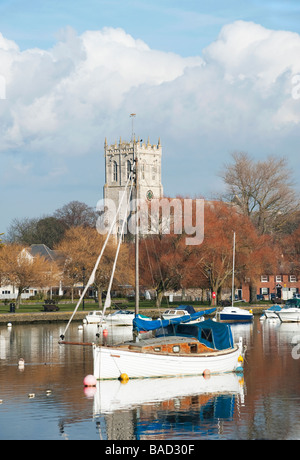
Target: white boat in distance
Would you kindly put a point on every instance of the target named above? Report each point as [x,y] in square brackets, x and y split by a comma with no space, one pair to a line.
[290,312]
[182,310]
[235,315]
[94,317]
[271,312]
[123,318]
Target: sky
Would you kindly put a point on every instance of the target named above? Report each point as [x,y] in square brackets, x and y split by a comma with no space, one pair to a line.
[207,78]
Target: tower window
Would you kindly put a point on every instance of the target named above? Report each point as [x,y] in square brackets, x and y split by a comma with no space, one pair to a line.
[128,168]
[154,172]
[115,171]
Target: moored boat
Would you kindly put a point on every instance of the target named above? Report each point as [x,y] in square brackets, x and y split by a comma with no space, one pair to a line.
[179,349]
[271,312]
[235,315]
[290,312]
[123,318]
[94,317]
[182,310]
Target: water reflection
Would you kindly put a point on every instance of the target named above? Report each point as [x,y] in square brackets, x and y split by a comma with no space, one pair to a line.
[167,407]
[263,404]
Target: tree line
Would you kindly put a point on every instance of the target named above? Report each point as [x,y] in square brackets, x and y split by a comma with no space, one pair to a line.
[260,205]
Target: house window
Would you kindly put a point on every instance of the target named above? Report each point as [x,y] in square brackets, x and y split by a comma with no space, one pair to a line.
[264,278]
[115,171]
[264,291]
[293,279]
[278,278]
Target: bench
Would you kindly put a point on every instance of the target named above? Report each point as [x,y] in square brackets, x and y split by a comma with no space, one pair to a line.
[50,305]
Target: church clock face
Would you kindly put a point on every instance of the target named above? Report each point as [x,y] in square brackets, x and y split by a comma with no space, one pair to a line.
[149,195]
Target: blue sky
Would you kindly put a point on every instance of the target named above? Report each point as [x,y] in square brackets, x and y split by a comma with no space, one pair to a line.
[181,26]
[208,78]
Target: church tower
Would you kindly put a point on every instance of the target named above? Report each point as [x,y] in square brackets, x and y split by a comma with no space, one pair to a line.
[119,161]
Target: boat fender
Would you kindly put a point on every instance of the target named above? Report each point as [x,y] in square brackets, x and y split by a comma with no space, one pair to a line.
[89,381]
[239,370]
[240,359]
[123,378]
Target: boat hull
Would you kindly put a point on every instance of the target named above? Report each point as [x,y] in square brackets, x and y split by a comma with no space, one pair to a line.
[111,362]
[93,318]
[235,315]
[235,318]
[270,314]
[289,315]
[121,320]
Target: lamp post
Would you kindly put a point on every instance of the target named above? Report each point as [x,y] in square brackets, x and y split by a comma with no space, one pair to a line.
[83,283]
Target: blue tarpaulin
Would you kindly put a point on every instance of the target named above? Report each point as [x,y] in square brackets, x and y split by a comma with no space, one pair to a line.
[211,333]
[142,325]
[188,308]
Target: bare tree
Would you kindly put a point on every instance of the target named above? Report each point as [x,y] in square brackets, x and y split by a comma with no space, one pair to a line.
[76,214]
[263,190]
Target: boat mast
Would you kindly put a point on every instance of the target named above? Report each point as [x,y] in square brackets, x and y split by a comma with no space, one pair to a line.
[233,262]
[137,283]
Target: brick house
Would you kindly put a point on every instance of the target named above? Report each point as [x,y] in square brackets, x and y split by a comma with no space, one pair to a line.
[280,287]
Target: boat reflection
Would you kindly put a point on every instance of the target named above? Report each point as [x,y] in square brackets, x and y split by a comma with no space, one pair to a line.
[167,405]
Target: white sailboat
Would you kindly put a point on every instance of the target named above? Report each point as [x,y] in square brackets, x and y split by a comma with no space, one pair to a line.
[234,314]
[179,348]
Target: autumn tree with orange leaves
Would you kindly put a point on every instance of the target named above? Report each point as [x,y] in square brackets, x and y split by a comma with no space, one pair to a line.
[170,264]
[21,270]
[213,259]
[82,246]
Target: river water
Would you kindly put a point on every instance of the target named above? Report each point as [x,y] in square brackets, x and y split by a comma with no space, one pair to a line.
[46,399]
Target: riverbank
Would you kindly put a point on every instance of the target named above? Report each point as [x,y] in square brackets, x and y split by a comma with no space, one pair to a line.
[64,316]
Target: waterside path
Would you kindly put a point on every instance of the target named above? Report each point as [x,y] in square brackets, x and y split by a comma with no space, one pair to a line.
[50,317]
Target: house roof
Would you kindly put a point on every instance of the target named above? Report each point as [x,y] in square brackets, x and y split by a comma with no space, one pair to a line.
[43,251]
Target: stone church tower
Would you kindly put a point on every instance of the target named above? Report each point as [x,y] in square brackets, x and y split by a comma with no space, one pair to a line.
[119,161]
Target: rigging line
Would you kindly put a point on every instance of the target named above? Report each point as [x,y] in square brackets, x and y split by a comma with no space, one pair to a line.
[108,299]
[162,281]
[93,274]
[149,261]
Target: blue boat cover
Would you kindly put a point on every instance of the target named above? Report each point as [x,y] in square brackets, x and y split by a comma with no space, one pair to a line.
[145,326]
[210,333]
[275,308]
[188,308]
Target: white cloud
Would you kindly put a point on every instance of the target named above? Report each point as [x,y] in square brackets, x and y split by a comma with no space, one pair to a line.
[61,103]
